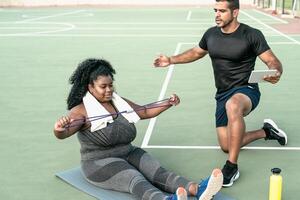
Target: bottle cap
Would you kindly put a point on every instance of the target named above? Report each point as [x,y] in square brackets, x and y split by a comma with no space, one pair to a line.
[276,170]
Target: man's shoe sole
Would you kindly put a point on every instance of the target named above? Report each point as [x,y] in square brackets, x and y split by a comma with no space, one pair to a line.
[280,132]
[213,186]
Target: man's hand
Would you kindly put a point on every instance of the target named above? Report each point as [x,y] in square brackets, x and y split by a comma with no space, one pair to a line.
[273,79]
[162,61]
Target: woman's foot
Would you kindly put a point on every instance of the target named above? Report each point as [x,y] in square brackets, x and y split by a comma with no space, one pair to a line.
[210,186]
[180,194]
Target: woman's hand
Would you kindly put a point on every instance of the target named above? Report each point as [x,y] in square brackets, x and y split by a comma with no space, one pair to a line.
[60,125]
[174,100]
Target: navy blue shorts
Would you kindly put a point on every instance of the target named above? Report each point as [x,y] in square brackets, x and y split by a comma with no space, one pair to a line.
[221,116]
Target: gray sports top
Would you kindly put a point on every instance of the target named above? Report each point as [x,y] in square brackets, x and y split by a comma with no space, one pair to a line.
[111,141]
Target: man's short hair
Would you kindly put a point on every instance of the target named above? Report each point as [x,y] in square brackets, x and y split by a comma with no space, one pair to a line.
[233,4]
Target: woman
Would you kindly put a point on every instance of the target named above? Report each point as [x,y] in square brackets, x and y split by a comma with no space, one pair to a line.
[108,159]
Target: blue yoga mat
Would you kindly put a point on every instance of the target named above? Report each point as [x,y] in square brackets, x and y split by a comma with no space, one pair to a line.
[75,178]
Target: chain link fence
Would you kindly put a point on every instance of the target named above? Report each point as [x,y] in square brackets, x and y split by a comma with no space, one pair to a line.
[290,7]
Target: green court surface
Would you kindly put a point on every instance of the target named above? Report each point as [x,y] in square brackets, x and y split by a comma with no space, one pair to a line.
[40,48]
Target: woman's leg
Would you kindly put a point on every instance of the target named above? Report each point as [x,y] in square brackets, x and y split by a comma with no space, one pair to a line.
[169,182]
[117,174]
[157,175]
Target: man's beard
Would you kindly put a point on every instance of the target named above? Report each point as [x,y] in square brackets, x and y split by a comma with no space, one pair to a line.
[227,23]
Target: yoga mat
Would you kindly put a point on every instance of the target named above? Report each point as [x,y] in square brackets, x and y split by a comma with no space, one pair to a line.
[75,178]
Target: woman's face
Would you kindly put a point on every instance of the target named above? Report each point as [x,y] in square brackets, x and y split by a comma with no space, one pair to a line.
[102,88]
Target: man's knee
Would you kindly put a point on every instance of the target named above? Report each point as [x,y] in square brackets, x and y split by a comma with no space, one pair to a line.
[233,107]
[238,106]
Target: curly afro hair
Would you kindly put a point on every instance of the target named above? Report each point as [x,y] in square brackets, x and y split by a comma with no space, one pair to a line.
[86,72]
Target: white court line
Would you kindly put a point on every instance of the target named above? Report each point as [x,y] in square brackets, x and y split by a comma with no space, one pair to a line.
[50,16]
[27,27]
[103,28]
[189,18]
[275,35]
[45,30]
[13,11]
[218,147]
[67,28]
[161,96]
[46,34]
[270,21]
[280,33]
[143,28]
[282,43]
[276,43]
[97,35]
[132,23]
[189,15]
[116,23]
[272,17]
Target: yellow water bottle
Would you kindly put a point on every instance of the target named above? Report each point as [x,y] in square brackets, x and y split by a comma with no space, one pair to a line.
[275,184]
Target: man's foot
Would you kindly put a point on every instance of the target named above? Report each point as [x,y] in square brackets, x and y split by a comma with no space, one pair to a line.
[210,186]
[181,194]
[231,173]
[273,132]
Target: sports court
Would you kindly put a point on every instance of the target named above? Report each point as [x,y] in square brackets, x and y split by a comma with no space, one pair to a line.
[41,46]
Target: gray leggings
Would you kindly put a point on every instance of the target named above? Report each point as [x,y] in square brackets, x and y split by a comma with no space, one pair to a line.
[138,173]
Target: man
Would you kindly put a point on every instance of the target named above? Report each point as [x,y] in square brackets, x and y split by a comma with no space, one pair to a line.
[233,48]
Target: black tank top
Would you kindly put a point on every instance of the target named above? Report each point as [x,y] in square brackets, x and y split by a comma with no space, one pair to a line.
[118,134]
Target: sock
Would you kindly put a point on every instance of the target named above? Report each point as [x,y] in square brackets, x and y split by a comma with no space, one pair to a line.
[231,165]
[267,131]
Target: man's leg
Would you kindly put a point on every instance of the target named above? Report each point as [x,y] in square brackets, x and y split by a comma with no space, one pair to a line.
[248,137]
[231,129]
[232,136]
[238,106]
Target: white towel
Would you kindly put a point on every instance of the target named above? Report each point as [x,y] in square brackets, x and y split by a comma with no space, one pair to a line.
[94,108]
